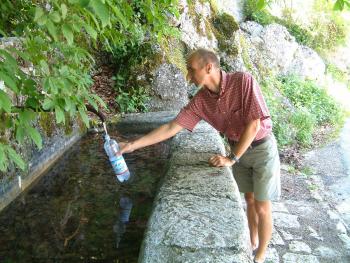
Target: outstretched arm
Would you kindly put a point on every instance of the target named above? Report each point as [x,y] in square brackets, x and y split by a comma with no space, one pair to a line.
[158,135]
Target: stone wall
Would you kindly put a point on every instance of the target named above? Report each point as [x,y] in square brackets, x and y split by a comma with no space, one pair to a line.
[197,214]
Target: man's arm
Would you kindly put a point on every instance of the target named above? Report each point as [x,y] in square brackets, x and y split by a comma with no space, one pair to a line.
[158,135]
[246,139]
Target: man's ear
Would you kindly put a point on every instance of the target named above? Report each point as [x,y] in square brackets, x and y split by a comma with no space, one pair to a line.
[209,68]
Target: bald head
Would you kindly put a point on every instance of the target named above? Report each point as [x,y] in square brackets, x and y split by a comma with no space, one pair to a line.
[203,57]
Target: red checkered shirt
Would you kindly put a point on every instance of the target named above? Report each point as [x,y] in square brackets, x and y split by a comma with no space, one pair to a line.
[239,101]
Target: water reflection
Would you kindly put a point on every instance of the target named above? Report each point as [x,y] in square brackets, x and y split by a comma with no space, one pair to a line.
[125,206]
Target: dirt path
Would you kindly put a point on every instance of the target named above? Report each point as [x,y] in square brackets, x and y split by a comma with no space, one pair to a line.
[312,219]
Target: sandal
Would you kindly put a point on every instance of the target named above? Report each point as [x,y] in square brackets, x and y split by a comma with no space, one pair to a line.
[255,261]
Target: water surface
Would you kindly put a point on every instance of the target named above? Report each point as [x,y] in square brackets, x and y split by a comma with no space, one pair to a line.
[79,212]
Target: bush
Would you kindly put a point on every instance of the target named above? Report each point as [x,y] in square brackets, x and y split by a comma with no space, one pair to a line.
[306,94]
[311,108]
[304,123]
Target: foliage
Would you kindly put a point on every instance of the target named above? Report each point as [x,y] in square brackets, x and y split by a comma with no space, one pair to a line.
[259,5]
[311,108]
[133,100]
[306,94]
[58,40]
[337,73]
[340,5]
[326,31]
[224,27]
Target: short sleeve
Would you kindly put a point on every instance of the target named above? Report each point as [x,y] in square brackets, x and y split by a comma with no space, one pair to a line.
[254,105]
[188,117]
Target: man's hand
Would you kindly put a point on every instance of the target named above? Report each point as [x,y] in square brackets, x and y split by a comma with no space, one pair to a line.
[219,160]
[125,147]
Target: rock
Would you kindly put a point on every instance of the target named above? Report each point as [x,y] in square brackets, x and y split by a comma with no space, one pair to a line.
[307,64]
[288,236]
[282,220]
[332,215]
[272,256]
[298,246]
[170,89]
[279,207]
[276,238]
[325,252]
[234,8]
[341,228]
[314,234]
[274,48]
[189,32]
[346,240]
[294,258]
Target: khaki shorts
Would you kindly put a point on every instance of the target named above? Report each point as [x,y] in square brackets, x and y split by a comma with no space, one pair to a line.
[258,171]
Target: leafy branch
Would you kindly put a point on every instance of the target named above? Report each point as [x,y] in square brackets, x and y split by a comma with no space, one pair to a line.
[57,40]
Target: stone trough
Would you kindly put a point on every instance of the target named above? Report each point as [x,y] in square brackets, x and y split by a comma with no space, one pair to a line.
[197,214]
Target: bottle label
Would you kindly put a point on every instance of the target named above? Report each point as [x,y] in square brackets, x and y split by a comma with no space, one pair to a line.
[119,164]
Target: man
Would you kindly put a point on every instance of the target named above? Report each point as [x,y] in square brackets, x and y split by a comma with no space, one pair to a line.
[233,104]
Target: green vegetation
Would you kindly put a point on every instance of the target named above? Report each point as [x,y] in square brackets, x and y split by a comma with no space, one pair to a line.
[337,73]
[59,39]
[311,108]
[224,26]
[306,94]
[326,30]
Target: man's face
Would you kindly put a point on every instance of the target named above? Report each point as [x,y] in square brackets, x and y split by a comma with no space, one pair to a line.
[196,73]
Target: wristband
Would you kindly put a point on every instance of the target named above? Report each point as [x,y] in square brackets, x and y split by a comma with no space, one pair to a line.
[233,157]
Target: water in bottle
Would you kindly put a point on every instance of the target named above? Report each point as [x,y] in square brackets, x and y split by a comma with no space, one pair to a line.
[116,158]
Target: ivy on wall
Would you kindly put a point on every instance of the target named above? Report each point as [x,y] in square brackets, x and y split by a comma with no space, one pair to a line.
[57,40]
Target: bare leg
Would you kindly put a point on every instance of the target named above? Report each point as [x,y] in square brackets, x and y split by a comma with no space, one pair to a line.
[264,211]
[252,219]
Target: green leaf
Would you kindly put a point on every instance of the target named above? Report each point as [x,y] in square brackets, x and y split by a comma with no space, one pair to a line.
[16,158]
[84,116]
[92,32]
[39,12]
[339,5]
[52,30]
[55,17]
[85,3]
[9,81]
[48,104]
[347,3]
[36,137]
[26,116]
[10,60]
[93,103]
[101,10]
[59,114]
[44,67]
[3,159]
[42,20]
[23,55]
[68,34]
[3,33]
[20,132]
[5,101]
[99,100]
[64,11]
[261,4]
[32,103]
[119,15]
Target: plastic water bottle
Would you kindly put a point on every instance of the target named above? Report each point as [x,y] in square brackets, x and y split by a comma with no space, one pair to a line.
[117,160]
